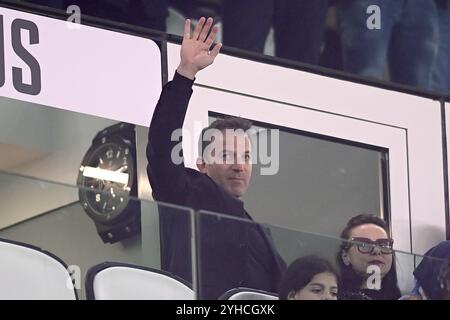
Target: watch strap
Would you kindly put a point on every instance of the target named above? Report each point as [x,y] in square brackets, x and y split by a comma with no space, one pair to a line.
[123,129]
[121,230]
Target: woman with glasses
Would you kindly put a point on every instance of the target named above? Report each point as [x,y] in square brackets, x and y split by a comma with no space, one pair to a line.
[309,278]
[433,275]
[366,261]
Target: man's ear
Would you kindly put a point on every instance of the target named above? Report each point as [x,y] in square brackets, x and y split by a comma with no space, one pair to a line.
[345,258]
[201,165]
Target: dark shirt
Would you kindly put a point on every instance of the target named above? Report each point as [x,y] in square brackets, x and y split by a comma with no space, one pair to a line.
[231,252]
[369,294]
[351,283]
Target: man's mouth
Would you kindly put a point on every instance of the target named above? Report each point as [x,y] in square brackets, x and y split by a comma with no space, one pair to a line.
[376,262]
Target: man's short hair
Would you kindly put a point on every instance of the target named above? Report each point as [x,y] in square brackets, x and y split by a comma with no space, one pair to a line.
[223,124]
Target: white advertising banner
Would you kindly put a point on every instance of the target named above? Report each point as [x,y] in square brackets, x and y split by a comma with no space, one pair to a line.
[83,69]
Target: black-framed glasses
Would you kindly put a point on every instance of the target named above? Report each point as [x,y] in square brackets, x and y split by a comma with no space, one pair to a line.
[366,245]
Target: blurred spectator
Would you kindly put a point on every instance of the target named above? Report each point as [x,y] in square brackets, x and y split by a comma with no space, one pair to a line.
[406,44]
[144,13]
[194,9]
[368,248]
[433,275]
[57,4]
[309,278]
[441,70]
[331,51]
[298,26]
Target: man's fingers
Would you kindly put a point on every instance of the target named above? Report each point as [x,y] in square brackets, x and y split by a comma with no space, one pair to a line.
[212,36]
[187,29]
[205,30]
[215,50]
[198,28]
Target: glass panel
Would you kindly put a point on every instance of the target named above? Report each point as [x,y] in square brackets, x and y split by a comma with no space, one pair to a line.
[51,143]
[321,181]
[86,227]
[213,255]
[236,253]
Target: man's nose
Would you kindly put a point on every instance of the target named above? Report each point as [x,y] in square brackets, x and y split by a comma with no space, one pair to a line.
[376,250]
[327,296]
[237,166]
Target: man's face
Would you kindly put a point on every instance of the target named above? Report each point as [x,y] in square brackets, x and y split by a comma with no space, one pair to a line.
[229,164]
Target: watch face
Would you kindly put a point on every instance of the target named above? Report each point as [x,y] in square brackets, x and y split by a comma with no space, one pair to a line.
[106,179]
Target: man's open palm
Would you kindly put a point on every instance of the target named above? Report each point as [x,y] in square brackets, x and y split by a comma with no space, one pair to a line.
[195,54]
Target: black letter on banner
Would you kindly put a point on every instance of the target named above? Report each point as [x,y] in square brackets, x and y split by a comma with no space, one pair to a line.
[35,87]
[2,53]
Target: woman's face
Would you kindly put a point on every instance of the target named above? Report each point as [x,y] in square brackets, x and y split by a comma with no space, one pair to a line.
[361,262]
[323,286]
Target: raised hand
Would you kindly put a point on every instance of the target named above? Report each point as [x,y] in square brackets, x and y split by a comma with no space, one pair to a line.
[195,50]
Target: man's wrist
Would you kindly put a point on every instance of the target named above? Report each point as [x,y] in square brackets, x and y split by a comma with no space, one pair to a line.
[186,71]
[183,81]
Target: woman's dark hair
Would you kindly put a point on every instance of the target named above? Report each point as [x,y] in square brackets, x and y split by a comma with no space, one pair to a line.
[433,270]
[300,273]
[352,281]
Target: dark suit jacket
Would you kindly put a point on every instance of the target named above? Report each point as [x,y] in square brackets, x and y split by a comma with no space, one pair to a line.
[231,252]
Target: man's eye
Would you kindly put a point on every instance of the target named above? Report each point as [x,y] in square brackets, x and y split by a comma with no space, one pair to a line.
[384,244]
[247,157]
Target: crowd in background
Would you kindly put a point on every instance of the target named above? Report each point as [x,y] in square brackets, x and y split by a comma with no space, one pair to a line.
[380,39]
